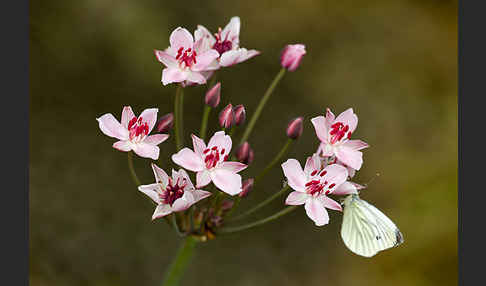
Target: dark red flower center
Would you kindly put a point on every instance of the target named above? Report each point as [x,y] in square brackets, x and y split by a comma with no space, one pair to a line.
[173,191]
[213,156]
[137,128]
[338,131]
[186,58]
[222,45]
[316,186]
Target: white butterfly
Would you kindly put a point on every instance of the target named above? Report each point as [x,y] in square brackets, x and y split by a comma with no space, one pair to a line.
[365,229]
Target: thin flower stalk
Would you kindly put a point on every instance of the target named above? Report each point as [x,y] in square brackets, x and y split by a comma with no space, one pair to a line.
[181,261]
[262,204]
[258,222]
[275,160]
[260,106]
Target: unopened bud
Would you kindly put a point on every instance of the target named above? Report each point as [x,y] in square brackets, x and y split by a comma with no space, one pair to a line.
[213,95]
[291,56]
[295,128]
[246,187]
[244,153]
[165,123]
[227,116]
[240,115]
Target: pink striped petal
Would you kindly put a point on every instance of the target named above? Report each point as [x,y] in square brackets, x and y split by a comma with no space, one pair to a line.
[161,211]
[202,179]
[156,139]
[355,144]
[296,198]
[198,145]
[316,212]
[183,203]
[200,194]
[232,31]
[151,191]
[160,175]
[345,188]
[196,77]
[127,115]
[146,150]
[111,127]
[348,118]
[234,167]
[221,141]
[295,176]
[226,181]
[181,37]
[187,159]
[149,116]
[350,157]
[330,203]
[320,127]
[170,75]
[123,145]
[168,60]
[205,59]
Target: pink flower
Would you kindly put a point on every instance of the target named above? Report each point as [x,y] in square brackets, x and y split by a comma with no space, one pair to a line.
[172,194]
[312,185]
[210,163]
[291,56]
[184,61]
[133,132]
[335,133]
[226,42]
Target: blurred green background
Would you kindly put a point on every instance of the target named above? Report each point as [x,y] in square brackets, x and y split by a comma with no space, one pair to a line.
[394,62]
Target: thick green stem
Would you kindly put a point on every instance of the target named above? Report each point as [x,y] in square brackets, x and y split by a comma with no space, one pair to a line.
[258,222]
[262,204]
[204,122]
[132,169]
[181,261]
[178,110]
[275,160]
[260,106]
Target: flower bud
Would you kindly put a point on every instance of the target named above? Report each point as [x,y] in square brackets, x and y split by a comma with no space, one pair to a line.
[213,95]
[247,186]
[165,123]
[295,128]
[244,153]
[291,56]
[240,115]
[227,116]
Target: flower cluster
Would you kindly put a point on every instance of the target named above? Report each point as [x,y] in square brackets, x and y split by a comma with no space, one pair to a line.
[326,172]
[193,59]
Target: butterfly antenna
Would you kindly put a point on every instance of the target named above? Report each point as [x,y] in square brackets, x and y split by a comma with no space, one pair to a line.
[371,180]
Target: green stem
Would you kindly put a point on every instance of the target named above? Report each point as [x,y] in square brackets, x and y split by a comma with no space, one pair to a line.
[204,122]
[260,106]
[262,204]
[236,203]
[175,225]
[258,222]
[275,160]
[181,261]
[132,169]
[178,109]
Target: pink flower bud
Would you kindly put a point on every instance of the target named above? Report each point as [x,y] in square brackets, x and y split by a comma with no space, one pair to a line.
[213,95]
[247,186]
[240,115]
[295,128]
[244,153]
[291,56]
[227,116]
[165,123]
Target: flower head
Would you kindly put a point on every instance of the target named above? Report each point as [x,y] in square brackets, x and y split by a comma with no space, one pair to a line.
[227,116]
[172,194]
[292,56]
[226,41]
[240,114]
[211,163]
[335,133]
[133,132]
[184,60]
[165,123]
[312,185]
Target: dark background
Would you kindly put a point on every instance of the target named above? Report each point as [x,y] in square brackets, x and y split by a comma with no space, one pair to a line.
[394,63]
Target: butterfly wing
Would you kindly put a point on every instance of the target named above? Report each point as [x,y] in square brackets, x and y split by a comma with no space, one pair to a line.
[366,230]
